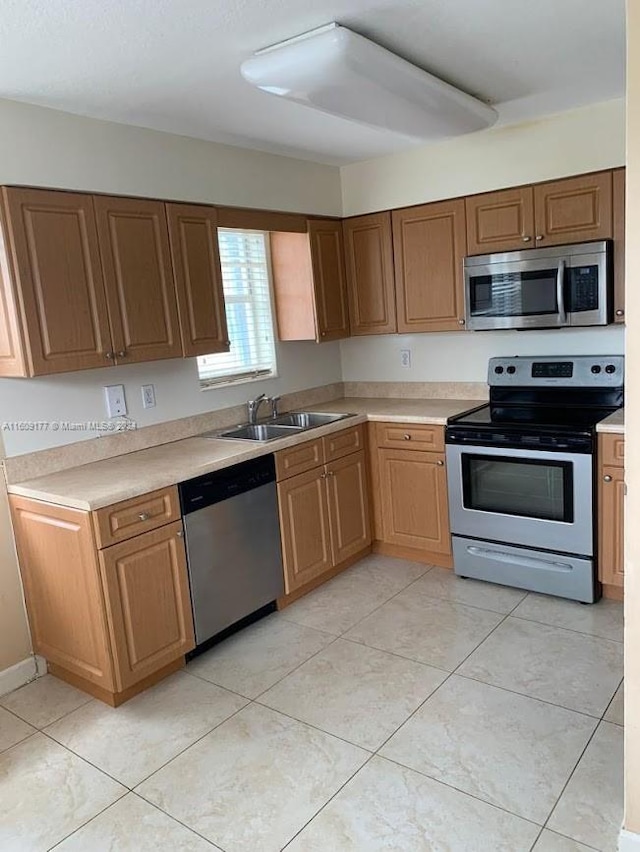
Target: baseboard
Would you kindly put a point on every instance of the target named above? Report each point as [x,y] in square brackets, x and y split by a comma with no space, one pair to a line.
[628,841]
[23,672]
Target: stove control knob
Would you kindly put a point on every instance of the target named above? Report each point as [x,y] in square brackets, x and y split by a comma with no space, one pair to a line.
[610,368]
[499,370]
[596,369]
[511,370]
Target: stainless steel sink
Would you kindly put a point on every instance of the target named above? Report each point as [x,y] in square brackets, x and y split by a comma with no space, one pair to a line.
[308,419]
[259,432]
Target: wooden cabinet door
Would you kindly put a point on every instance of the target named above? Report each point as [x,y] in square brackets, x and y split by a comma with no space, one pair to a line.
[304,525]
[619,192]
[56,267]
[147,591]
[500,221]
[193,231]
[330,288]
[413,489]
[349,516]
[611,525]
[429,246]
[134,246]
[574,210]
[59,568]
[369,266]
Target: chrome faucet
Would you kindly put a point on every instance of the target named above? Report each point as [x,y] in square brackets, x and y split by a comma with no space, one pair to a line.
[253,405]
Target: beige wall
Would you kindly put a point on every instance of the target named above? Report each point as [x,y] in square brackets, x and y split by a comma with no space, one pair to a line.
[632,416]
[15,644]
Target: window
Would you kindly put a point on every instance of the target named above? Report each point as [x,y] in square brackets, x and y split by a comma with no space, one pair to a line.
[247,293]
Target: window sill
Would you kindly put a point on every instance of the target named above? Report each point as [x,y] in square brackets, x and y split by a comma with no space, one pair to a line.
[208,385]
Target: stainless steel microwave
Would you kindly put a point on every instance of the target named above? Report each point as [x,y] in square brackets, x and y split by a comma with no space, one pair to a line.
[539,288]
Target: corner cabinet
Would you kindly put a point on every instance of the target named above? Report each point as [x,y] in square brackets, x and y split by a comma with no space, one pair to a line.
[611,490]
[323,497]
[107,591]
[429,245]
[309,282]
[411,507]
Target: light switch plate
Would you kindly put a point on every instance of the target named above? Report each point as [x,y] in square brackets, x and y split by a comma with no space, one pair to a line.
[148,396]
[115,401]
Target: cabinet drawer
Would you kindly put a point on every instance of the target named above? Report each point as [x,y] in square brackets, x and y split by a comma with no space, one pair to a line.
[343,443]
[410,436]
[138,515]
[611,450]
[298,459]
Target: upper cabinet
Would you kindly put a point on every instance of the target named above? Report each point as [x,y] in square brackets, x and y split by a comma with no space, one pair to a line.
[134,246]
[369,267]
[572,210]
[53,315]
[500,221]
[309,282]
[429,245]
[198,277]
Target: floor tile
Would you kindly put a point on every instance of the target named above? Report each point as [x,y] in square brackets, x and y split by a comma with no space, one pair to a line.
[615,711]
[425,629]
[12,730]
[573,670]
[509,750]
[357,693]
[343,601]
[444,584]
[44,700]
[604,619]
[591,808]
[132,741]
[549,841]
[46,793]
[254,781]
[388,807]
[254,659]
[133,825]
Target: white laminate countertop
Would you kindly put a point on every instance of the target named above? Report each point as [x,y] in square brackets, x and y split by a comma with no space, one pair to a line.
[614,423]
[102,483]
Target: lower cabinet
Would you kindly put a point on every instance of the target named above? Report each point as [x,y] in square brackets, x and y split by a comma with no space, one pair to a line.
[112,620]
[324,511]
[410,492]
[611,514]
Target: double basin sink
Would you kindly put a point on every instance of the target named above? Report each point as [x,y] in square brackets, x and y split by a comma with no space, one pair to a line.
[282,426]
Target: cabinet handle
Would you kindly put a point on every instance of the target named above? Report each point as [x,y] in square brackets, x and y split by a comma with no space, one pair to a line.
[180,534]
[330,473]
[109,355]
[539,237]
[407,437]
[323,476]
[619,312]
[121,354]
[323,334]
[461,322]
[526,239]
[440,463]
[144,516]
[607,478]
[227,343]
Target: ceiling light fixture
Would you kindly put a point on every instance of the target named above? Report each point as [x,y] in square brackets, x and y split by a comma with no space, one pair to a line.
[337,71]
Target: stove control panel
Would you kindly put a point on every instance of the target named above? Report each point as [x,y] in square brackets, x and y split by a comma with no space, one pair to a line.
[572,371]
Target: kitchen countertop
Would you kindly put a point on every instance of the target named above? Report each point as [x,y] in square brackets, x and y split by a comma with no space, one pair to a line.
[92,486]
[614,423]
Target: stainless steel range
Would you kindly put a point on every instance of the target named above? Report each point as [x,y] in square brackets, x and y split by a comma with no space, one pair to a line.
[521,474]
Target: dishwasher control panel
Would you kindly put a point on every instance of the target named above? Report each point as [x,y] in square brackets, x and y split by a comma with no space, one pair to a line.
[220,485]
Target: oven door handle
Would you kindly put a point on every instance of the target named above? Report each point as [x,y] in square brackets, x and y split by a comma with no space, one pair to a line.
[523,561]
[560,291]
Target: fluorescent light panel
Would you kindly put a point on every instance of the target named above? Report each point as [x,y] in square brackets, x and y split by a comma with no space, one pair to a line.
[337,71]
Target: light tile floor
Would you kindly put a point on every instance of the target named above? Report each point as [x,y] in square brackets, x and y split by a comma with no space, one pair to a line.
[397,707]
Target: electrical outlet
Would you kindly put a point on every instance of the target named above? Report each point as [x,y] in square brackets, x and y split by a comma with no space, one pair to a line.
[148,396]
[405,357]
[115,401]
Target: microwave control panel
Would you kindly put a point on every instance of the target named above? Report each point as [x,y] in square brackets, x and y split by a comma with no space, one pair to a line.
[577,371]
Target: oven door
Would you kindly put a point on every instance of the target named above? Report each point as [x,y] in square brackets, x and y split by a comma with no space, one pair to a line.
[524,497]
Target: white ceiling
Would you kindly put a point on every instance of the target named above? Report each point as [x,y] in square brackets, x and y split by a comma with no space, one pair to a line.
[174,64]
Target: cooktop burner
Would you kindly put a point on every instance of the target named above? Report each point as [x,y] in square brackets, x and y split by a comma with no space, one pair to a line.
[532,416]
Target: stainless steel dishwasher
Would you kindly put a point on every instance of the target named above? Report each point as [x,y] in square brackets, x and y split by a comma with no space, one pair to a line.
[232,536]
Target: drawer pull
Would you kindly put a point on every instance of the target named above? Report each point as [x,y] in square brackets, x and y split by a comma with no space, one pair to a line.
[607,478]
[180,534]
[407,437]
[144,516]
[440,463]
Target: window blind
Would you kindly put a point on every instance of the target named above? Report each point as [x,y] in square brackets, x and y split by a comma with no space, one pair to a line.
[247,294]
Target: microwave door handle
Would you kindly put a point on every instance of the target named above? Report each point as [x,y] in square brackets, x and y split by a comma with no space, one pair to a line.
[560,292]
